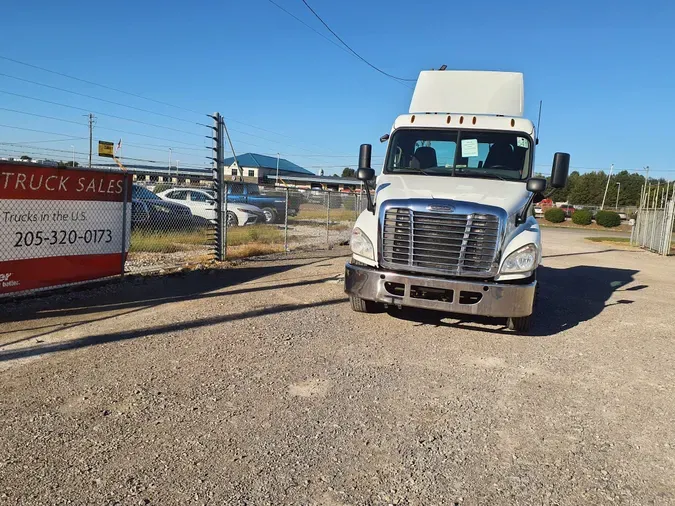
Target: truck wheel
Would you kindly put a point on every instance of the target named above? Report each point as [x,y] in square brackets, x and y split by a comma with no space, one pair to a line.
[270,215]
[520,324]
[232,220]
[364,306]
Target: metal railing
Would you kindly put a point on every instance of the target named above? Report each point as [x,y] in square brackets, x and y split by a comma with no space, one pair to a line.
[655,221]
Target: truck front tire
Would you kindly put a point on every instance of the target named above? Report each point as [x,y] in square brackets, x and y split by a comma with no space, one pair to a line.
[520,324]
[360,305]
[523,324]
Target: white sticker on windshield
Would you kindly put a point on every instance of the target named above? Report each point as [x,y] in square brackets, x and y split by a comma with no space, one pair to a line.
[469,148]
[523,142]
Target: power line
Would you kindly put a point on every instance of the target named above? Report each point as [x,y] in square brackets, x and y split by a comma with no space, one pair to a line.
[28,143]
[98,84]
[54,150]
[99,113]
[97,98]
[135,120]
[81,124]
[127,93]
[351,50]
[309,26]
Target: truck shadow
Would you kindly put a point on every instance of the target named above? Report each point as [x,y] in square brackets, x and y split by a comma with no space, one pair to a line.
[567,297]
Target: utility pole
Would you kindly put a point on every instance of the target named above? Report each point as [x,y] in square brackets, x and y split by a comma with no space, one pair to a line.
[91,136]
[170,152]
[611,169]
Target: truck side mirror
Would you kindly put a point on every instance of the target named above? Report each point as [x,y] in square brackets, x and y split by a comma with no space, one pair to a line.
[365,173]
[364,156]
[536,185]
[560,169]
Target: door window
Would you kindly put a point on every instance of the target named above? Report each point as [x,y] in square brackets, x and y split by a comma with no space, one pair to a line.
[178,195]
[235,188]
[197,197]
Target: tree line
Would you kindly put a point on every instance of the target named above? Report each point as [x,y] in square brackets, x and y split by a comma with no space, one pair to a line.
[589,188]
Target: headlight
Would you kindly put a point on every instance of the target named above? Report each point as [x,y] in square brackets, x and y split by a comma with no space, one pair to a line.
[245,211]
[522,260]
[361,245]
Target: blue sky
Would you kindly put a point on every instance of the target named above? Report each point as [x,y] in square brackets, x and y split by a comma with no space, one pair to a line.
[601,69]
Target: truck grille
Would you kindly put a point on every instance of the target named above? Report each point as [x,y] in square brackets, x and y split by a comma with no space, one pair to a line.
[458,244]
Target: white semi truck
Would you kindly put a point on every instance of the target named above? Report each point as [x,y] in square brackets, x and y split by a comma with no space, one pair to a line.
[451,226]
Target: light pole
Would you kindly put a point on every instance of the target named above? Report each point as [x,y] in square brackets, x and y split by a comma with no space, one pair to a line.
[73,147]
[611,168]
[276,182]
[170,165]
[618,190]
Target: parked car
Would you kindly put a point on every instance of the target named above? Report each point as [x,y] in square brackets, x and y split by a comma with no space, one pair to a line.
[569,209]
[202,203]
[150,212]
[273,207]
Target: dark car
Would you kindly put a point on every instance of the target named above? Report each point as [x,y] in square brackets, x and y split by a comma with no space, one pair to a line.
[150,212]
[273,206]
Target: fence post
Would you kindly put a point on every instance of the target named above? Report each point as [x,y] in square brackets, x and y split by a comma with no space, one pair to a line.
[125,195]
[224,219]
[221,190]
[286,224]
[328,219]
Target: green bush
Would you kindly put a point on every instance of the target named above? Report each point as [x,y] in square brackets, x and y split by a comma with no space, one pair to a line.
[582,217]
[555,215]
[608,219]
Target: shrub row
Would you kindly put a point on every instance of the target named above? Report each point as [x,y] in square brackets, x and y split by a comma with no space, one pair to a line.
[606,219]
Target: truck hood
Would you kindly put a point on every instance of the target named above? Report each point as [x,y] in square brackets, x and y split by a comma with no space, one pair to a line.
[508,195]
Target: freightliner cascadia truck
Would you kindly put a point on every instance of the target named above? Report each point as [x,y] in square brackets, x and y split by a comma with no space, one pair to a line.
[450,223]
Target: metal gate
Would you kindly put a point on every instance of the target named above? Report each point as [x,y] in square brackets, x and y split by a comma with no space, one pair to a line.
[655,221]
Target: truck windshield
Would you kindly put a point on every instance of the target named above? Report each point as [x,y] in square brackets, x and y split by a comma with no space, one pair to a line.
[460,153]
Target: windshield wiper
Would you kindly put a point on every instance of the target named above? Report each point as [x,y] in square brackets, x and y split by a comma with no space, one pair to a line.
[485,176]
[411,170]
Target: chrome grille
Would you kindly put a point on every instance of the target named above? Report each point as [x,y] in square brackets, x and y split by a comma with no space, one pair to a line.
[459,244]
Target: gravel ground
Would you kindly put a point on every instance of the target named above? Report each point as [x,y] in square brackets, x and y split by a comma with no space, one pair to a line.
[258,385]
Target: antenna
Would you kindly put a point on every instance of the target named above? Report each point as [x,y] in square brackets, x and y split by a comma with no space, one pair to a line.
[538,122]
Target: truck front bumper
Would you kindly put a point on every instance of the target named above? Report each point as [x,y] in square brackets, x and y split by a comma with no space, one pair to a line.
[440,294]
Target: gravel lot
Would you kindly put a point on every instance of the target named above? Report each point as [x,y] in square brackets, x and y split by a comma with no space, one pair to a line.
[258,385]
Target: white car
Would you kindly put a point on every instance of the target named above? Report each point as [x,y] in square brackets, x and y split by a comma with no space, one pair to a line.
[202,203]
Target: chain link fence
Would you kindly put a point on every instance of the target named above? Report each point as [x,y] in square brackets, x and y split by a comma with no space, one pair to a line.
[173,222]
[170,221]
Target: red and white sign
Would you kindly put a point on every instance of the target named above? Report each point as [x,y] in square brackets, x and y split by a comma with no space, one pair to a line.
[60,226]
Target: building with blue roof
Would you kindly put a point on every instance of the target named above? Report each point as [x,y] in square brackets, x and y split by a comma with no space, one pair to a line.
[258,167]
